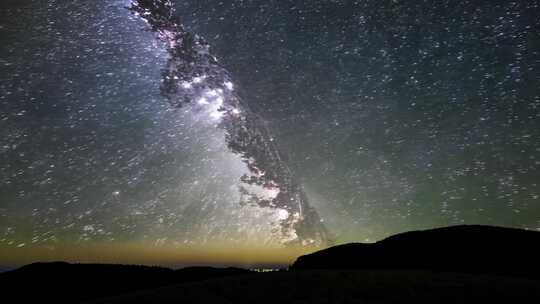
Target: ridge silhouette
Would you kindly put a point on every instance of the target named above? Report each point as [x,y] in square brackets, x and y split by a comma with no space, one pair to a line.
[464,249]
[459,264]
[62,282]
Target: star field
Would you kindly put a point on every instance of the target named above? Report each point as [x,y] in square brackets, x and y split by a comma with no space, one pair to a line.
[377,116]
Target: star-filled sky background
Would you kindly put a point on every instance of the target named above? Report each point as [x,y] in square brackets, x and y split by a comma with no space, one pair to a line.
[393,116]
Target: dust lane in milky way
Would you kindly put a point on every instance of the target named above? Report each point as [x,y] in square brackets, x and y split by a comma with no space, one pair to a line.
[193,75]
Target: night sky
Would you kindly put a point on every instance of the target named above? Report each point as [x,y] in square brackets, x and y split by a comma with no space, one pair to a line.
[249,131]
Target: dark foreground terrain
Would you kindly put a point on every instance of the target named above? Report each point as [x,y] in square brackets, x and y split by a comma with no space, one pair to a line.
[462,264]
[61,282]
[342,286]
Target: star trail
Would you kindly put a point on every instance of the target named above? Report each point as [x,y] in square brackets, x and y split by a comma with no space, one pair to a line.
[162,131]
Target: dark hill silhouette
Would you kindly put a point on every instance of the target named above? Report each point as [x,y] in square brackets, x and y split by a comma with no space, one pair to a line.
[60,282]
[464,249]
[460,264]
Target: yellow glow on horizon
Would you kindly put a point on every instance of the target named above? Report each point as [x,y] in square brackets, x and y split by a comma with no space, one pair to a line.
[139,253]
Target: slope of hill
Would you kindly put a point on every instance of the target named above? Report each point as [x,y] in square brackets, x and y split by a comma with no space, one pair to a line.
[4,268]
[61,282]
[466,249]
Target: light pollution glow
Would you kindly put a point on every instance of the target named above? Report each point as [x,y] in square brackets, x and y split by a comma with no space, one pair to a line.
[241,255]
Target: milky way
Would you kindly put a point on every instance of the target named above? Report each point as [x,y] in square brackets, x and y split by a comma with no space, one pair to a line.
[194,75]
[263,123]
